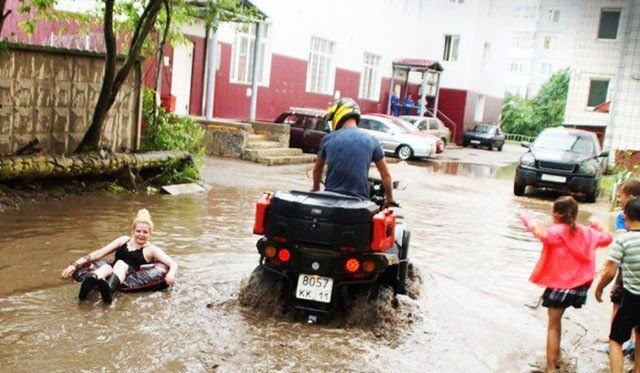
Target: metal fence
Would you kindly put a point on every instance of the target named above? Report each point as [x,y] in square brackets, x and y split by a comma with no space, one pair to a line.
[518,138]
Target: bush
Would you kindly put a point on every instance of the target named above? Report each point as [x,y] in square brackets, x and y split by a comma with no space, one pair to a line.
[171,132]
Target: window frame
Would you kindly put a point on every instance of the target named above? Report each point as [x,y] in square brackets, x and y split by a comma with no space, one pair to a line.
[322,84]
[370,78]
[589,92]
[553,15]
[609,10]
[451,48]
[236,76]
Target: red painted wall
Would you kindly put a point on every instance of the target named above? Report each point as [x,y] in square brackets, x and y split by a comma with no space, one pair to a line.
[452,103]
[197,74]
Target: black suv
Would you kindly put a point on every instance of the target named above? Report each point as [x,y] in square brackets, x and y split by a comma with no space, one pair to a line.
[561,159]
[488,135]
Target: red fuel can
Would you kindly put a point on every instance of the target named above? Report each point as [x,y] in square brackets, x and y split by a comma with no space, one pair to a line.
[261,213]
[384,230]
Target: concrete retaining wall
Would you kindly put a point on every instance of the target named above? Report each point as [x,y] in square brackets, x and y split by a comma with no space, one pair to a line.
[228,138]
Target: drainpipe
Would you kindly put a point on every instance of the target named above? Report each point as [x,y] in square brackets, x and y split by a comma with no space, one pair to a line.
[618,77]
[254,72]
[212,62]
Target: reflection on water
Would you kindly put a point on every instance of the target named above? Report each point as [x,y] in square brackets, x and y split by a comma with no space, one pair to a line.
[466,241]
[468,169]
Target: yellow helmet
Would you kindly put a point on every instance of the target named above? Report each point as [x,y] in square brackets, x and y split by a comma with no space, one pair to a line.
[340,111]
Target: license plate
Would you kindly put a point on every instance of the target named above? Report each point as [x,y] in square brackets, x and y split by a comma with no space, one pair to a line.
[475,141]
[553,178]
[316,288]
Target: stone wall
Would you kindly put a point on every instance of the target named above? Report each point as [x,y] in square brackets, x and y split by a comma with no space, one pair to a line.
[228,138]
[49,94]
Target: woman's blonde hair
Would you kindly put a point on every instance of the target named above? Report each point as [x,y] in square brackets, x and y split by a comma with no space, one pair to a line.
[144,217]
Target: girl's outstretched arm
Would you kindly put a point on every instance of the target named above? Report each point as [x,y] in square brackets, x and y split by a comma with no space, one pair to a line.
[603,235]
[534,226]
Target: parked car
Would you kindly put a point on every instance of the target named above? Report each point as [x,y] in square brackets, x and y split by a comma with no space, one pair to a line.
[307,128]
[562,159]
[430,125]
[396,139]
[488,135]
[413,130]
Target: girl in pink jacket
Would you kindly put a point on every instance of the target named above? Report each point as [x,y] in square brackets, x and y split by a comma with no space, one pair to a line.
[566,266]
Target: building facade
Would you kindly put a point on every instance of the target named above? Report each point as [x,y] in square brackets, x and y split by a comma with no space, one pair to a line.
[604,91]
[312,52]
[543,41]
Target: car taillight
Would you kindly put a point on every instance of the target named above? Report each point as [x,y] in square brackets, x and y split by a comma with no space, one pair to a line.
[284,255]
[352,265]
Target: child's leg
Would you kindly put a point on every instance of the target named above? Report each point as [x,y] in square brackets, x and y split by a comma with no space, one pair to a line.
[554,332]
[616,359]
[636,352]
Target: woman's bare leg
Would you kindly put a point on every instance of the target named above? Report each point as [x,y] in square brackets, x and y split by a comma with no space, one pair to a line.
[120,269]
[554,332]
[104,271]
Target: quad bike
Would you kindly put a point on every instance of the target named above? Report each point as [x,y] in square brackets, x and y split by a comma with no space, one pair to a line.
[326,246]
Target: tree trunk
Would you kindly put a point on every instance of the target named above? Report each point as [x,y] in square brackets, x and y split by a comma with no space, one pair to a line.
[3,14]
[162,42]
[113,80]
[43,166]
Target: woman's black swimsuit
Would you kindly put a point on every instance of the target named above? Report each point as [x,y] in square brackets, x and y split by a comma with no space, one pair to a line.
[133,258]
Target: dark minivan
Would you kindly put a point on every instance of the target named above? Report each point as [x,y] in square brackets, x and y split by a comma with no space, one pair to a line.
[307,128]
[562,159]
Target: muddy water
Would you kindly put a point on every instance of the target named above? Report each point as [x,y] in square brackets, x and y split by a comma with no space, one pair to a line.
[467,243]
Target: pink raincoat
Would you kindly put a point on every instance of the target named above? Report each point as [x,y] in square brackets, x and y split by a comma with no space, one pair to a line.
[567,261]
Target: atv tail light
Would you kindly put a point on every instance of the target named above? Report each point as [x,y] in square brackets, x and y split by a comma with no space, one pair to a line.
[284,255]
[352,265]
[369,266]
[270,252]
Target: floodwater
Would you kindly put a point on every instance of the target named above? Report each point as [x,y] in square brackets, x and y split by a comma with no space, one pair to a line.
[476,309]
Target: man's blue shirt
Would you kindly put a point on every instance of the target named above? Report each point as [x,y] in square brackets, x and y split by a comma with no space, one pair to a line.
[621,225]
[348,153]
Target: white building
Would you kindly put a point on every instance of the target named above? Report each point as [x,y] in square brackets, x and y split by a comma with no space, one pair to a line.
[542,43]
[607,70]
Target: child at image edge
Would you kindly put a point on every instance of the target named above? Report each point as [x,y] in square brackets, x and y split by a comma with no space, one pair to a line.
[625,255]
[566,266]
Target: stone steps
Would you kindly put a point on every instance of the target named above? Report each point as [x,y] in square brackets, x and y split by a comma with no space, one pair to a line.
[263,145]
[254,154]
[281,160]
[257,138]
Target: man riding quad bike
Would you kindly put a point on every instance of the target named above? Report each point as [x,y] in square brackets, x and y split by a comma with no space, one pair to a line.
[327,244]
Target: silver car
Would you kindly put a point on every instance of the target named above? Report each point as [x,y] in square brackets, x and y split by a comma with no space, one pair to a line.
[397,140]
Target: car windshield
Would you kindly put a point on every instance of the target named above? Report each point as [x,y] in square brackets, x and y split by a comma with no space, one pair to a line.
[483,128]
[411,120]
[402,123]
[564,142]
[395,127]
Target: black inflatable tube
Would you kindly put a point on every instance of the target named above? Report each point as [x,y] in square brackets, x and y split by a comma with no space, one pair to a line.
[149,277]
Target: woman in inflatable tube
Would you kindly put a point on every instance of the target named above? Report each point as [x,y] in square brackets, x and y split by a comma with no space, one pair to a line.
[132,253]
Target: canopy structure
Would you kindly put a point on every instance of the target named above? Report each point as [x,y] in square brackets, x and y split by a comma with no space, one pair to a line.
[430,86]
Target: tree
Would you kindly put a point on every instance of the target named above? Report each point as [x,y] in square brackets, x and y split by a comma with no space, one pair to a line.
[144,17]
[530,116]
[3,14]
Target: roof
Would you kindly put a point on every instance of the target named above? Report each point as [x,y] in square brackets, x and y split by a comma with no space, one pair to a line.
[417,64]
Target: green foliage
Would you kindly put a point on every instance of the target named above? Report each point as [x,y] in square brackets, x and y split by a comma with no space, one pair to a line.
[530,116]
[116,188]
[171,132]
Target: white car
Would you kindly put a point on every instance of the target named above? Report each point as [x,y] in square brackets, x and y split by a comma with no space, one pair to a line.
[430,125]
[397,140]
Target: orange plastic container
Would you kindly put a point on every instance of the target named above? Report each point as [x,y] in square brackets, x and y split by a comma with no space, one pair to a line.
[261,213]
[384,230]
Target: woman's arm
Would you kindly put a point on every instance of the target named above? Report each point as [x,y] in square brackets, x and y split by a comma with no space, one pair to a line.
[94,255]
[159,255]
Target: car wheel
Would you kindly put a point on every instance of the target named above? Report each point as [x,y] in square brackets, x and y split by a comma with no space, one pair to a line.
[490,147]
[592,196]
[404,152]
[464,143]
[444,141]
[518,189]
[500,147]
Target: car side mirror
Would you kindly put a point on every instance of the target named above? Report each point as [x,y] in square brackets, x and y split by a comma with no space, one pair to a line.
[525,144]
[603,154]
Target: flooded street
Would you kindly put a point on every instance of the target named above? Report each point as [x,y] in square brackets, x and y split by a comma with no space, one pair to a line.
[468,243]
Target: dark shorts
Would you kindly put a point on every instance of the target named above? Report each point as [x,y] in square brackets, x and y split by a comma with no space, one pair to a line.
[563,298]
[616,293]
[627,317]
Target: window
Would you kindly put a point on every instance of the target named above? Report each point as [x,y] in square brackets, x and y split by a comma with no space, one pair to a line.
[321,71]
[519,67]
[597,92]
[370,78]
[451,46]
[433,124]
[553,15]
[609,20]
[523,39]
[548,42]
[242,54]
[479,109]
[485,56]
[545,68]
